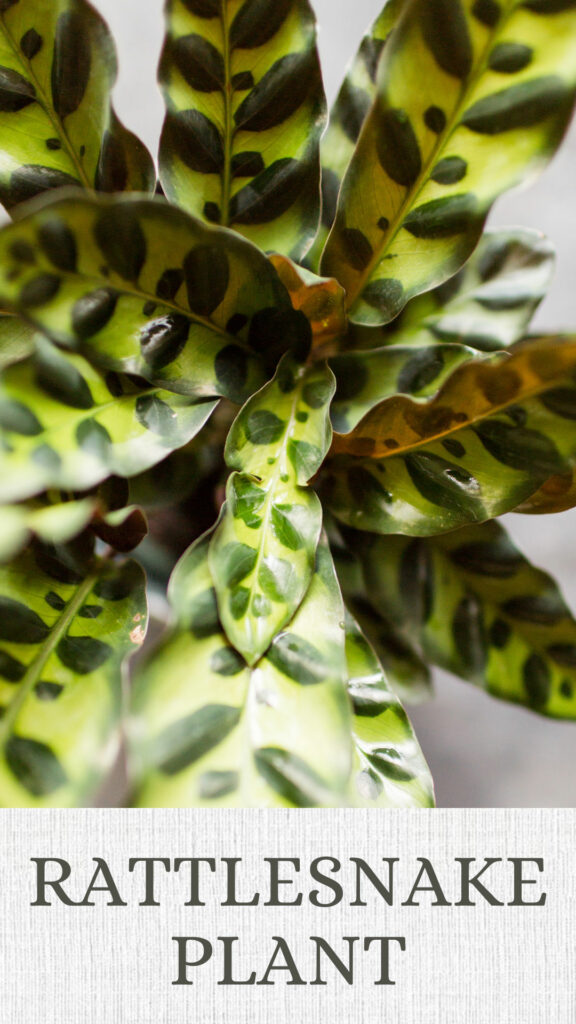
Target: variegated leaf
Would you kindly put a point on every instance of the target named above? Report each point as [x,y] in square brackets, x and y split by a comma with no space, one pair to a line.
[57,69]
[488,440]
[262,554]
[478,608]
[389,768]
[364,379]
[66,425]
[66,628]
[138,286]
[488,305]
[348,115]
[207,730]
[473,96]
[246,108]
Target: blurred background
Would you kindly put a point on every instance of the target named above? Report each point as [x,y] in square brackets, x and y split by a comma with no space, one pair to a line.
[482,753]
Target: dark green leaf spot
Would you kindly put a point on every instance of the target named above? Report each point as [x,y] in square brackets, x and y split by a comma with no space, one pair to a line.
[83,654]
[227,662]
[20,624]
[264,427]
[298,659]
[190,738]
[92,312]
[35,766]
[510,57]
[207,275]
[397,145]
[537,681]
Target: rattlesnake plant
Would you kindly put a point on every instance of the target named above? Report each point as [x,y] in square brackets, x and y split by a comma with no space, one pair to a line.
[303,365]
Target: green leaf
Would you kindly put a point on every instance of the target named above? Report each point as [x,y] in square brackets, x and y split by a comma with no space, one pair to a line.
[262,554]
[477,607]
[487,104]
[207,730]
[55,523]
[16,340]
[347,117]
[57,69]
[488,305]
[365,379]
[65,631]
[138,286]
[66,425]
[492,436]
[245,111]
[389,768]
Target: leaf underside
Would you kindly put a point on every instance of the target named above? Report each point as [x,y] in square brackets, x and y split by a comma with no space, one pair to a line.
[492,436]
[476,606]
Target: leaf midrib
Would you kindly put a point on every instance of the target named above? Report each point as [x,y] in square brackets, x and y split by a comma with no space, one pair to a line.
[280,467]
[412,195]
[38,663]
[132,292]
[228,131]
[96,411]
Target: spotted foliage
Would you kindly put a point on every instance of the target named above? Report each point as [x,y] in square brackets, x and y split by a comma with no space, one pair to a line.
[477,607]
[67,425]
[245,111]
[57,125]
[488,305]
[348,115]
[490,438]
[67,623]
[500,79]
[350,404]
[207,730]
[389,768]
[365,379]
[263,552]
[138,286]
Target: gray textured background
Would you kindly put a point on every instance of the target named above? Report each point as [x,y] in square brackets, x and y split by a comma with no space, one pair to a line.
[114,965]
[482,752]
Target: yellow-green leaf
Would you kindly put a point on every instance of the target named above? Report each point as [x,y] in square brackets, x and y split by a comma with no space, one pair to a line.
[57,125]
[472,98]
[67,625]
[208,731]
[262,554]
[246,108]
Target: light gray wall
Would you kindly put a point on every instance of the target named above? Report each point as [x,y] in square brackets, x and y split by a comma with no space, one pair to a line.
[482,753]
